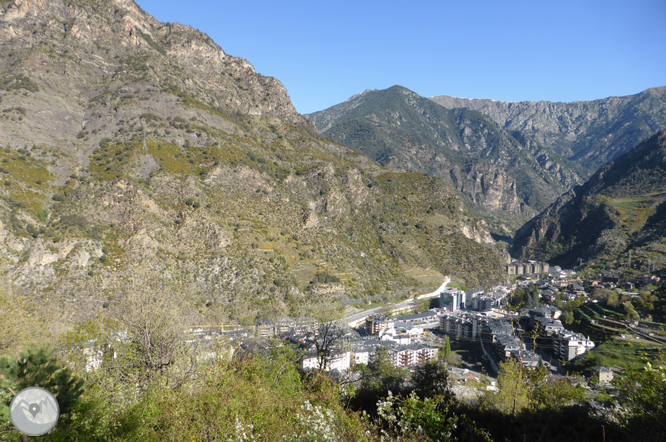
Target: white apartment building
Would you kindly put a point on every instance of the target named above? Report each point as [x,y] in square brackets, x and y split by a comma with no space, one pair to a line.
[569,345]
[340,362]
[411,355]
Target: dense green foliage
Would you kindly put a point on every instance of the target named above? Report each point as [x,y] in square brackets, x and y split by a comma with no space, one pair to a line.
[525,298]
[263,396]
[643,393]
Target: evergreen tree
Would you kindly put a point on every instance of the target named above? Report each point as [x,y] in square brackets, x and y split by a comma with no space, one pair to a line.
[38,367]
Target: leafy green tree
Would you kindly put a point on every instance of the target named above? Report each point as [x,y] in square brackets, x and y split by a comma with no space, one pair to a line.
[432,380]
[513,394]
[551,394]
[612,299]
[533,298]
[643,393]
[378,378]
[523,390]
[567,317]
[415,419]
[631,314]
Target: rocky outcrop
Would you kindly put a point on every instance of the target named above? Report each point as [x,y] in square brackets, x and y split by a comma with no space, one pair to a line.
[136,46]
[488,186]
[588,132]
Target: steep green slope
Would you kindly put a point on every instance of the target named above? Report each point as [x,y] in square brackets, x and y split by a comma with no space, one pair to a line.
[502,176]
[621,208]
[139,154]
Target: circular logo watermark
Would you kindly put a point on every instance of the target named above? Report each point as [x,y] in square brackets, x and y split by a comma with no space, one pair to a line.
[34,411]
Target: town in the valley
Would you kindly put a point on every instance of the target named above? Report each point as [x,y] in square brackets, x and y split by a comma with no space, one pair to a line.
[472,330]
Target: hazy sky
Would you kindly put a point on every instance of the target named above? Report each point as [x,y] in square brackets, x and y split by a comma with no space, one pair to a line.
[326,51]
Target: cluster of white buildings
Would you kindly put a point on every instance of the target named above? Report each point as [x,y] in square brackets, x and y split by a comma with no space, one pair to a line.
[362,352]
[454,299]
[463,315]
[402,337]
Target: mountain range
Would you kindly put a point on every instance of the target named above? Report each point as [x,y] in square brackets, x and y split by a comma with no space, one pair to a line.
[590,133]
[508,161]
[139,154]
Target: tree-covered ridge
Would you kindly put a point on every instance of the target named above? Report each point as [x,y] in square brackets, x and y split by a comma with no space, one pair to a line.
[620,209]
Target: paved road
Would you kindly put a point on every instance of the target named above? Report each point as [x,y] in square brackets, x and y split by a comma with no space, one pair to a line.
[356,317]
[373,311]
[436,292]
[364,314]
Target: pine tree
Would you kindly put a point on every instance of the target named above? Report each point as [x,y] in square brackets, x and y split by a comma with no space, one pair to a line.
[38,367]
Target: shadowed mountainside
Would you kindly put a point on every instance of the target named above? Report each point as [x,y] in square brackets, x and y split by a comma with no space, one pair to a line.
[622,207]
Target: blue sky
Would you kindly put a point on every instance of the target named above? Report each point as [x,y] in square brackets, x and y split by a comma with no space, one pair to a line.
[326,51]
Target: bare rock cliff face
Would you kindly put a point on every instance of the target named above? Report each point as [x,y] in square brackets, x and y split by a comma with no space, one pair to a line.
[488,186]
[590,132]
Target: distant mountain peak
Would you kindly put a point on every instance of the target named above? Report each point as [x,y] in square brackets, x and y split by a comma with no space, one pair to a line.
[494,170]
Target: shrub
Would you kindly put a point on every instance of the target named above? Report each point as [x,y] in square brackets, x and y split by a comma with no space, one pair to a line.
[325,278]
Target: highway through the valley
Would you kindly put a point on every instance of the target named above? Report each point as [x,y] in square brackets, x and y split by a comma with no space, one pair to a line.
[357,318]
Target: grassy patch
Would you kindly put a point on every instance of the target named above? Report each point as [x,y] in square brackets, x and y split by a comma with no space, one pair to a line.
[25,180]
[457,285]
[634,211]
[151,42]
[618,353]
[110,162]
[19,81]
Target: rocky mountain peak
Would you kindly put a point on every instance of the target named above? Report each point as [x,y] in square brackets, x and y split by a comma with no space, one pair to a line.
[113,35]
[500,174]
[590,133]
